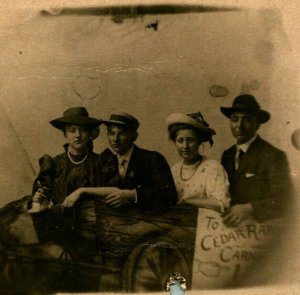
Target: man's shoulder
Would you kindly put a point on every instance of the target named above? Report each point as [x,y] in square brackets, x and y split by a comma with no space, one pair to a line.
[259,144]
[266,147]
[106,152]
[141,152]
[230,150]
[106,156]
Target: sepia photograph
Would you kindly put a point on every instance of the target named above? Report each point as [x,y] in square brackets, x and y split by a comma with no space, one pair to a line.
[149,146]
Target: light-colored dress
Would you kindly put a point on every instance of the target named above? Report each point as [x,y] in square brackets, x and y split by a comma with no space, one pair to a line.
[205,179]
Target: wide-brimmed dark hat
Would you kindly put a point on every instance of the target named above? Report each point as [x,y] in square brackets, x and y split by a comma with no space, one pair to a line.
[76,116]
[122,119]
[246,103]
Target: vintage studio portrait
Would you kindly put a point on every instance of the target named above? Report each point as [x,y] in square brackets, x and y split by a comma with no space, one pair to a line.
[148,147]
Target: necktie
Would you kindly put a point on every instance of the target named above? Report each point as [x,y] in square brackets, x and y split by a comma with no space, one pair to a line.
[238,156]
[122,168]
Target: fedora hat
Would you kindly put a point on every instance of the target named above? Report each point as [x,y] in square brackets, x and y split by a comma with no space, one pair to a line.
[246,103]
[122,119]
[76,116]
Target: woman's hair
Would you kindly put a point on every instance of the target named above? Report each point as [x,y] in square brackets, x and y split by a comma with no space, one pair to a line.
[201,136]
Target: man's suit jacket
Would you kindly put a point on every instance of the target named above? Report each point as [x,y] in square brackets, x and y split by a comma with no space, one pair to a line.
[148,172]
[263,179]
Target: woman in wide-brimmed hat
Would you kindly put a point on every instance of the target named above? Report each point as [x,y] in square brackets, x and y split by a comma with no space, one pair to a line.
[59,176]
[52,231]
[76,167]
[199,181]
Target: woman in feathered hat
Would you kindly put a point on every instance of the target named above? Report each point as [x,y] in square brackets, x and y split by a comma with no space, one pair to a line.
[199,181]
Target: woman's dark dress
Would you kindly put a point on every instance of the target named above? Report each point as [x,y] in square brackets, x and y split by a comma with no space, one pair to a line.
[56,234]
[61,177]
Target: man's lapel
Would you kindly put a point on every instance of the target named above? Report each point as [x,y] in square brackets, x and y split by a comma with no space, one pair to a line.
[109,168]
[110,159]
[132,165]
[230,165]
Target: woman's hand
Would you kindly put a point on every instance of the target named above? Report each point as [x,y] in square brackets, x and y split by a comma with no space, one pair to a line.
[120,198]
[207,203]
[39,196]
[71,199]
[40,201]
[92,191]
[237,213]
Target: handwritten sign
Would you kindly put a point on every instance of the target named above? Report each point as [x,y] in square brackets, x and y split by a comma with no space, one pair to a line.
[223,255]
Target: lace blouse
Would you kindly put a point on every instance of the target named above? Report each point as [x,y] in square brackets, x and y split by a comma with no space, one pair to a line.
[205,179]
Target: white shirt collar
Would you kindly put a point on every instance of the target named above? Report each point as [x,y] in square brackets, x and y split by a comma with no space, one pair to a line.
[245,146]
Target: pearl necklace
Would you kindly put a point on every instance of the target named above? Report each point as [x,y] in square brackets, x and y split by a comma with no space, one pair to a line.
[74,162]
[194,170]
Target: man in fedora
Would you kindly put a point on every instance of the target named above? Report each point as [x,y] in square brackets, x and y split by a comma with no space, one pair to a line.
[143,176]
[258,172]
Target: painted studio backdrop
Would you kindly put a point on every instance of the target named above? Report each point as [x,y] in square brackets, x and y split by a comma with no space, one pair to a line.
[149,62]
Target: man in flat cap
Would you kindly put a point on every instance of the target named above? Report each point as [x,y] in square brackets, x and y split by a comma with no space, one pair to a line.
[143,176]
[145,189]
[258,172]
